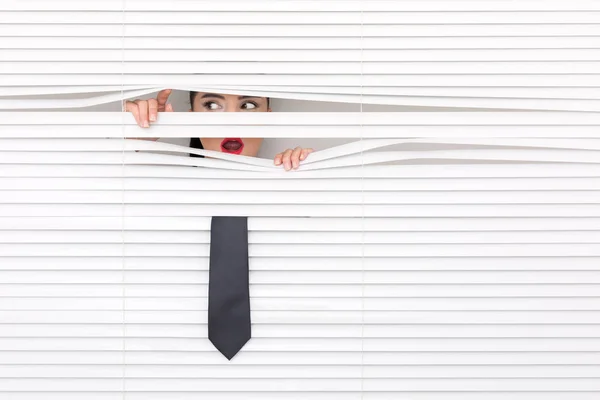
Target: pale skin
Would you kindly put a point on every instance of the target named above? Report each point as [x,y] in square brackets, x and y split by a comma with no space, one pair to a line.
[146,112]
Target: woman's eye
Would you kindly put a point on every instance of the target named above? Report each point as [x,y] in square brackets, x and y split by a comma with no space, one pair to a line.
[210,104]
[249,105]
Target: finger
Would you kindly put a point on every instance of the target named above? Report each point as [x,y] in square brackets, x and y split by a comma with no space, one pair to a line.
[305,153]
[134,109]
[143,107]
[277,159]
[287,163]
[152,109]
[162,98]
[296,157]
[169,108]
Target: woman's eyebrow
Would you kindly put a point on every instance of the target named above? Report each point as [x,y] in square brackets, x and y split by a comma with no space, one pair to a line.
[247,97]
[212,95]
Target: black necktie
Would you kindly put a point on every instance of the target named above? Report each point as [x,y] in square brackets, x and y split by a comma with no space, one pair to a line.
[228,285]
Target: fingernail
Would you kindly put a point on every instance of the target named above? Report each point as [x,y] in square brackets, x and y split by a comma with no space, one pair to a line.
[146,124]
[153,118]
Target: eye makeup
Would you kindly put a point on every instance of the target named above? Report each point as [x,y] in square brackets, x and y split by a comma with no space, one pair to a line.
[251,102]
[207,104]
[211,105]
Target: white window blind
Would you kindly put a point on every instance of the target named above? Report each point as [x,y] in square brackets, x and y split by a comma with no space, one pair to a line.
[438,255]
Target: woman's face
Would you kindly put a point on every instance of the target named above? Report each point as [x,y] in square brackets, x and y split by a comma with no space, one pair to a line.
[213,102]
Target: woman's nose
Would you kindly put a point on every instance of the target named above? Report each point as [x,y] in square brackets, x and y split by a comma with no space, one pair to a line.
[231,107]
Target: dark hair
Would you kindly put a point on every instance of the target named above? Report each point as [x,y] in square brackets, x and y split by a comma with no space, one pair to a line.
[193,96]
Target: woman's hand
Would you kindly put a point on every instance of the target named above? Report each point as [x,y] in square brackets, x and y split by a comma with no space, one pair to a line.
[146,111]
[291,158]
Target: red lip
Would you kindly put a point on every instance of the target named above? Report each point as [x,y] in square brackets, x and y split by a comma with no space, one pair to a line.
[232,148]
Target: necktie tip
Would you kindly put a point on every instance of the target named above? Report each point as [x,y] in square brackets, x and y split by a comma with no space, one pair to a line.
[227,350]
